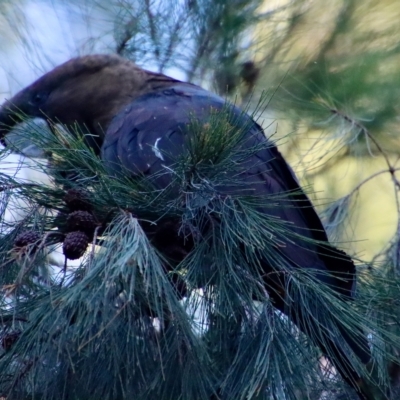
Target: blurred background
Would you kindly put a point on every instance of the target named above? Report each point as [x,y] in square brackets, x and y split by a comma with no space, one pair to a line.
[323,78]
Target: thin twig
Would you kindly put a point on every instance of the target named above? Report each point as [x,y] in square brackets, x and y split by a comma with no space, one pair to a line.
[153,30]
[391,168]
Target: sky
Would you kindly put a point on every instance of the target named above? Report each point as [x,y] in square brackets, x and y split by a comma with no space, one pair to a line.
[45,35]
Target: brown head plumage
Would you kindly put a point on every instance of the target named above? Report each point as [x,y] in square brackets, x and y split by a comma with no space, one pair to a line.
[88,90]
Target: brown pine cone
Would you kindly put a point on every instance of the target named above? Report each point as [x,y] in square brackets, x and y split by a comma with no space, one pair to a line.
[77,200]
[250,73]
[75,245]
[27,238]
[81,221]
[9,339]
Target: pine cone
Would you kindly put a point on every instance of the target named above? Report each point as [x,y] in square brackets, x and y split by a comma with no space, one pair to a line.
[9,339]
[27,238]
[75,245]
[81,221]
[250,73]
[77,200]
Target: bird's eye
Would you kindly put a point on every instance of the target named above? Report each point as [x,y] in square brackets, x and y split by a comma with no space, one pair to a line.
[38,98]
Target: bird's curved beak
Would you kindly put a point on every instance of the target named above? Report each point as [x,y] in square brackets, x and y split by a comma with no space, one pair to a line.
[13,111]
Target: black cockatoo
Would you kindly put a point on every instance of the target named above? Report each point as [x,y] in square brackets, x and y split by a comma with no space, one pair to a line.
[137,119]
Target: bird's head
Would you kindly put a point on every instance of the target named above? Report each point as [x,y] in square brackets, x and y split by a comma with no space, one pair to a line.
[88,91]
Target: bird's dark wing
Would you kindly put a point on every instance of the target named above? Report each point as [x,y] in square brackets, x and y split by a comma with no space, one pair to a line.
[147,136]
